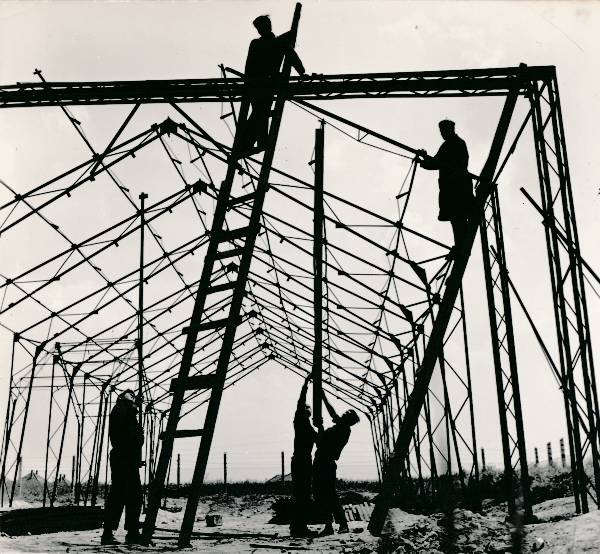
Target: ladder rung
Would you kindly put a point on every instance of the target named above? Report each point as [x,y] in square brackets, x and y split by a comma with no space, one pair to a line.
[196,382]
[233,234]
[220,288]
[229,253]
[208,325]
[183,433]
[241,199]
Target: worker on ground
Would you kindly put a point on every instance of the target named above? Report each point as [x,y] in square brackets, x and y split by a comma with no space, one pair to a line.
[304,440]
[456,186]
[330,443]
[263,64]
[126,438]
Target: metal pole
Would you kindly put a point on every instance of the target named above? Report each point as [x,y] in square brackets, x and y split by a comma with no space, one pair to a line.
[483,467]
[8,421]
[536,455]
[318,222]
[563,457]
[105,390]
[140,337]
[77,461]
[178,471]
[549,450]
[282,468]
[45,493]
[38,351]
[469,386]
[20,466]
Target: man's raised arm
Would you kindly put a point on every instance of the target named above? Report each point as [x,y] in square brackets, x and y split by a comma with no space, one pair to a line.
[332,413]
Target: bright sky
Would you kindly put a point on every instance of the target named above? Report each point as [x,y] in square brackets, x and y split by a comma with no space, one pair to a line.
[97,41]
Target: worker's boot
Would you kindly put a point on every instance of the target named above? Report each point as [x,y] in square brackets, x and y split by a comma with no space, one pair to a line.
[302,531]
[133,537]
[327,530]
[108,538]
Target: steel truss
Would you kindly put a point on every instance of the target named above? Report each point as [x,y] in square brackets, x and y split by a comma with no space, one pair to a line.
[420,317]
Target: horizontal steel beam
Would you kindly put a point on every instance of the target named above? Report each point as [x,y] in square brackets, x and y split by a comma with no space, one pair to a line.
[422,84]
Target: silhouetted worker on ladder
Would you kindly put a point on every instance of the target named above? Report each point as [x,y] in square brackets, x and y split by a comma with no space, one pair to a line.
[330,443]
[304,439]
[456,187]
[263,64]
[126,438]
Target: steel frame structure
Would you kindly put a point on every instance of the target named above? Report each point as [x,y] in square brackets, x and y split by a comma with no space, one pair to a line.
[392,388]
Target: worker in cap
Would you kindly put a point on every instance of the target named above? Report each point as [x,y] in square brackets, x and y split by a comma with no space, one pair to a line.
[455,184]
[330,443]
[304,440]
[263,65]
[126,438]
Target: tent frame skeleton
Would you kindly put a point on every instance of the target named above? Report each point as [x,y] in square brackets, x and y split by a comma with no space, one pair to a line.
[393,423]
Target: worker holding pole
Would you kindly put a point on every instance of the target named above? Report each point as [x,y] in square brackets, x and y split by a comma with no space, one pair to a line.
[304,440]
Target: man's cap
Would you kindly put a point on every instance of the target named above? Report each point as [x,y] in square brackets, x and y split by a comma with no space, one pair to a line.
[446,123]
[122,395]
[352,415]
[261,20]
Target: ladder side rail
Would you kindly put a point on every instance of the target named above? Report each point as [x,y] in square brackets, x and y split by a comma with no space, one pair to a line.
[166,451]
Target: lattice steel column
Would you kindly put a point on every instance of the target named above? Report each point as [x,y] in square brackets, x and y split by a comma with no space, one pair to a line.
[568,290]
[516,474]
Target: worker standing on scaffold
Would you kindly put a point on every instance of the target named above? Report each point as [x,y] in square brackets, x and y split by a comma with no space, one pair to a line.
[263,64]
[126,437]
[456,187]
[304,440]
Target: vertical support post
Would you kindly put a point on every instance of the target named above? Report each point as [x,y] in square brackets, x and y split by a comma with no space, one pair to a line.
[72,474]
[140,337]
[505,358]
[111,389]
[178,471]
[549,450]
[48,434]
[318,222]
[469,385]
[77,462]
[483,466]
[282,468]
[8,421]
[104,391]
[568,290]
[537,457]
[38,350]
[20,467]
[563,458]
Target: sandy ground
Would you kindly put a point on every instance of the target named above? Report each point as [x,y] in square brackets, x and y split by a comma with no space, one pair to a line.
[246,529]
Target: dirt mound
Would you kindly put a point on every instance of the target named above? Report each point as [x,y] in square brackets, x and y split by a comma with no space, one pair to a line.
[458,531]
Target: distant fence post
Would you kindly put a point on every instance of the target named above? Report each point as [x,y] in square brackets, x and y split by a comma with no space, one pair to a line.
[225,471]
[178,471]
[537,457]
[282,468]
[483,459]
[563,457]
[549,448]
